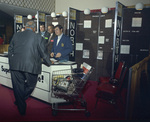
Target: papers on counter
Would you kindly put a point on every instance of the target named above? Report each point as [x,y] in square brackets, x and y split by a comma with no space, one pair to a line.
[57,62]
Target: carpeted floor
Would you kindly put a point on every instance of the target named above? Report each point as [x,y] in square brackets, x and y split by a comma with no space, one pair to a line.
[40,111]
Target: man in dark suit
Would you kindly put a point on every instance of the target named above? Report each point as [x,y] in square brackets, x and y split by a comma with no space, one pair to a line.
[51,38]
[62,46]
[44,34]
[26,53]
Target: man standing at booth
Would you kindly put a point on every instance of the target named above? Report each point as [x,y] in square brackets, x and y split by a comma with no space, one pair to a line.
[26,53]
[62,46]
[44,33]
[51,38]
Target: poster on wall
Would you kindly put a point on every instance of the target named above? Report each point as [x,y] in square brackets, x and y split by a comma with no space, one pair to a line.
[136,22]
[86,54]
[79,46]
[100,54]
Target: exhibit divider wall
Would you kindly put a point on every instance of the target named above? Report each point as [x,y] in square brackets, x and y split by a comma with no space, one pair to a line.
[105,43]
[87,40]
[94,43]
[135,35]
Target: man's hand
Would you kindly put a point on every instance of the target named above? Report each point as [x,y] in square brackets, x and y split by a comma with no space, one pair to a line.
[52,54]
[58,55]
[52,62]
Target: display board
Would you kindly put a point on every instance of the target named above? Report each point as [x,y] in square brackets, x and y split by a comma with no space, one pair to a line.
[105,44]
[87,40]
[135,35]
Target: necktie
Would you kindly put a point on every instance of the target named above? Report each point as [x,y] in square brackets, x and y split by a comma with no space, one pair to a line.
[58,40]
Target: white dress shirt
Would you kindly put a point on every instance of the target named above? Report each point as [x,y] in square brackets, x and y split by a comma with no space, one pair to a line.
[59,37]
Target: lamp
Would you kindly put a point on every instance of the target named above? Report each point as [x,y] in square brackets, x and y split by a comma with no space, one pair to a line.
[104,10]
[139,6]
[53,14]
[87,11]
[36,16]
[64,14]
[29,16]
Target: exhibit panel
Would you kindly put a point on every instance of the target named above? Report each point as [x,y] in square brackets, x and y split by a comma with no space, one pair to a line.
[87,40]
[135,35]
[105,44]
[42,90]
[94,41]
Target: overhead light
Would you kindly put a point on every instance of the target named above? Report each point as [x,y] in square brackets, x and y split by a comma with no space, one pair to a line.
[36,16]
[53,14]
[139,6]
[58,14]
[104,10]
[29,16]
[87,11]
[64,13]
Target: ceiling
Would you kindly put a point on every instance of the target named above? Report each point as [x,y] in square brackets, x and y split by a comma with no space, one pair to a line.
[11,10]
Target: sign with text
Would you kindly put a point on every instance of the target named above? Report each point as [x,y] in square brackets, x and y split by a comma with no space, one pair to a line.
[117,36]
[19,23]
[72,31]
[42,17]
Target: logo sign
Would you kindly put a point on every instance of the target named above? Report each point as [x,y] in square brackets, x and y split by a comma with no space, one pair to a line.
[18,27]
[19,23]
[117,36]
[4,70]
[72,14]
[117,41]
[72,32]
[18,19]
[42,17]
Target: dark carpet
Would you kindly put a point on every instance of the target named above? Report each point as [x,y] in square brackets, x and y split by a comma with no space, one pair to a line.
[38,110]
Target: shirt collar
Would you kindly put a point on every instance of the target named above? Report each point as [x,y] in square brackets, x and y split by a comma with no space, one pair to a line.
[29,29]
[60,36]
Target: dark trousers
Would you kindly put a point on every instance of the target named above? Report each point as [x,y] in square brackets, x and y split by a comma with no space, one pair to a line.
[23,85]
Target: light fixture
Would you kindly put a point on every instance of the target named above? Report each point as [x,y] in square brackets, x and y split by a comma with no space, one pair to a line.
[29,16]
[64,13]
[139,6]
[36,16]
[104,10]
[87,11]
[53,14]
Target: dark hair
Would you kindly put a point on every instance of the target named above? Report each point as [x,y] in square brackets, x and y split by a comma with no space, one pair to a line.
[59,26]
[42,25]
[51,25]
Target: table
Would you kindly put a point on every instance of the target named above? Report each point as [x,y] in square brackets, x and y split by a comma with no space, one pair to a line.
[42,90]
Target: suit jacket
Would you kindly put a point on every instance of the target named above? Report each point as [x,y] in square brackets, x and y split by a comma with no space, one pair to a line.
[64,47]
[26,52]
[50,43]
[46,37]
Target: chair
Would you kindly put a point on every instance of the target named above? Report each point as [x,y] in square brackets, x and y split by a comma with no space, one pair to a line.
[110,92]
[117,74]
